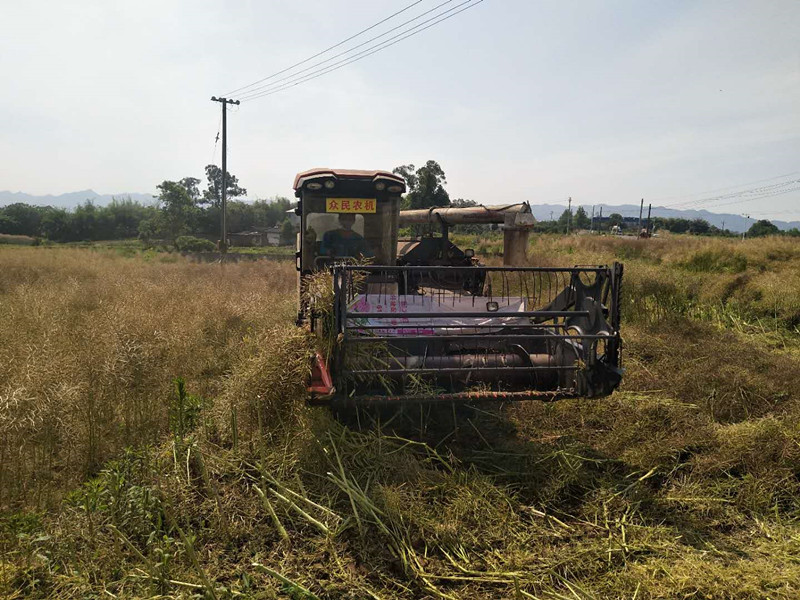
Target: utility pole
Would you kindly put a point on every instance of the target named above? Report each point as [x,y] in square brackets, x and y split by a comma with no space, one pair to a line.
[747,226]
[569,214]
[551,215]
[600,223]
[591,226]
[649,208]
[223,241]
[641,207]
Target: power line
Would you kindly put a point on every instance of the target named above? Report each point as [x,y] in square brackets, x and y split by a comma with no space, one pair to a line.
[735,194]
[758,197]
[746,195]
[367,52]
[302,62]
[349,50]
[271,88]
[731,187]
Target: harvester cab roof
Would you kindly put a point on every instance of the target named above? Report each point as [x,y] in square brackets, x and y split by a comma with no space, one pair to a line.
[347,214]
[432,323]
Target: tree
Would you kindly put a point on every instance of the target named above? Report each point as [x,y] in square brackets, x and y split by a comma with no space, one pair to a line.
[582,220]
[674,225]
[565,218]
[7,224]
[86,223]
[762,228]
[192,185]
[122,218]
[699,227]
[616,219]
[213,195]
[150,229]
[409,173]
[22,219]
[425,185]
[57,225]
[178,210]
[288,235]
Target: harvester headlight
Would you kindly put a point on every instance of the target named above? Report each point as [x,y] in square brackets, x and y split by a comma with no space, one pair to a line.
[330,184]
[314,185]
[469,252]
[395,189]
[492,306]
[380,186]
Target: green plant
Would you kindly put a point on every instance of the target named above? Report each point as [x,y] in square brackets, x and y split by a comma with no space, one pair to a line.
[188,243]
[184,411]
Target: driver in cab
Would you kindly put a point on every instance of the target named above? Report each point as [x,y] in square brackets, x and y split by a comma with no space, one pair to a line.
[344,241]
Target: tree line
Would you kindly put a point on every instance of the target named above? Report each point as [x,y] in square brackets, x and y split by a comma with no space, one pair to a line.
[426,189]
[180,208]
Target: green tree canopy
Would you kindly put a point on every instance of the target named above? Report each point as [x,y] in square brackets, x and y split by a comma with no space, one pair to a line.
[288,234]
[762,228]
[178,210]
[213,195]
[699,226]
[22,219]
[581,220]
[425,185]
[192,185]
[565,218]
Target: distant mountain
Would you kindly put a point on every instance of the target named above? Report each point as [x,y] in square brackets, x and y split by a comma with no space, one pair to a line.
[543,212]
[71,199]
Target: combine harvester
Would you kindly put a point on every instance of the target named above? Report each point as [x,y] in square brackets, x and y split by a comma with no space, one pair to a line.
[424,321]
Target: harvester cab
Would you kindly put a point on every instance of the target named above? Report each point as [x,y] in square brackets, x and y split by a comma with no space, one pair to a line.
[432,323]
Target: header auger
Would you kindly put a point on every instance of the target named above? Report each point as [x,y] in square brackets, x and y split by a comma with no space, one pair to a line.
[424,321]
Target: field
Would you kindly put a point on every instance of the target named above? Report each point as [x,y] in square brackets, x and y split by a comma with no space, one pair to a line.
[154,442]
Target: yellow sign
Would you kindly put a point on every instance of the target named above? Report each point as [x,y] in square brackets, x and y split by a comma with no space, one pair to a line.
[350,205]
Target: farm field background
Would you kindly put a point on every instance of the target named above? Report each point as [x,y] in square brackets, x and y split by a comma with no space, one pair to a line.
[154,441]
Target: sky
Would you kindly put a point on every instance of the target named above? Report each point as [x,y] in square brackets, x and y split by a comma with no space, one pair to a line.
[602,101]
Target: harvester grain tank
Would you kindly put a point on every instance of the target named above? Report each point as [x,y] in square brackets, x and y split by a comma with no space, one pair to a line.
[431,323]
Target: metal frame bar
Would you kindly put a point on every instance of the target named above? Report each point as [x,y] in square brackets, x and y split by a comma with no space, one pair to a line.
[463,315]
[445,269]
[432,338]
[344,401]
[424,371]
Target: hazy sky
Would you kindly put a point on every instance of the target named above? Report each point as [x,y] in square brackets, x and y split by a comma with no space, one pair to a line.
[605,101]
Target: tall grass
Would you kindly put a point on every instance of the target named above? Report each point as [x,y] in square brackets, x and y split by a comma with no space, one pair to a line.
[90,344]
[683,484]
[753,284]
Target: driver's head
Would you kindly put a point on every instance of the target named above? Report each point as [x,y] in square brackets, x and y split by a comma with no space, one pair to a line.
[347,220]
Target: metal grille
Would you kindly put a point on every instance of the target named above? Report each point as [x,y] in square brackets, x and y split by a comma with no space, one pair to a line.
[409,332]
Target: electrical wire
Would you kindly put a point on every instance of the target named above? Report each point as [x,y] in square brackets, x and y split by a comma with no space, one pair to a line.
[349,50]
[740,195]
[723,189]
[276,87]
[365,53]
[302,62]
[757,197]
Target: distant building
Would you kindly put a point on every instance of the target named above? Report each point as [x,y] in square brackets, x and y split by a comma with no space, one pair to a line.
[257,237]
